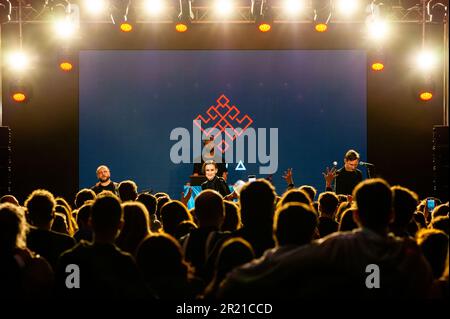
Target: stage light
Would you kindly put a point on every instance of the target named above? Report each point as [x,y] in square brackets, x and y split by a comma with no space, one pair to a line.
[5,11]
[95,7]
[261,11]
[426,60]
[66,60]
[154,7]
[437,11]
[223,7]
[425,96]
[121,14]
[322,14]
[293,7]
[347,7]
[65,63]
[185,16]
[264,27]
[19,97]
[378,29]
[19,91]
[321,27]
[377,26]
[18,61]
[66,18]
[66,66]
[377,66]
[377,59]
[64,28]
[126,27]
[181,27]
[424,88]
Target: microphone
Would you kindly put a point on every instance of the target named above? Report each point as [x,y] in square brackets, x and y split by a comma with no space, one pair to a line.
[361,163]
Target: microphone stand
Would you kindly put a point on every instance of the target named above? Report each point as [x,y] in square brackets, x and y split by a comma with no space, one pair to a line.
[369,175]
[369,168]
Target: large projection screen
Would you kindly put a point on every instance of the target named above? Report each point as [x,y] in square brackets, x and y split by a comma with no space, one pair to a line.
[131,101]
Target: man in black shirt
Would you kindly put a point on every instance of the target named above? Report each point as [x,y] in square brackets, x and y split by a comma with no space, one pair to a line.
[104,181]
[348,176]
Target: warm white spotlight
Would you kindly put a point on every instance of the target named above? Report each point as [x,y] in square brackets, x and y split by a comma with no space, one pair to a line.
[378,29]
[223,7]
[18,61]
[154,7]
[347,7]
[95,7]
[293,7]
[425,60]
[65,28]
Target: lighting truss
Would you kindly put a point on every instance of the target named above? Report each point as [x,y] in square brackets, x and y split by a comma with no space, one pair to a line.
[204,13]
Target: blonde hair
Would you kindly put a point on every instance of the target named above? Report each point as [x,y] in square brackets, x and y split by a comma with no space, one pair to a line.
[15,222]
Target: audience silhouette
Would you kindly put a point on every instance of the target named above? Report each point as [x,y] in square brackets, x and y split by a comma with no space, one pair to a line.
[264,246]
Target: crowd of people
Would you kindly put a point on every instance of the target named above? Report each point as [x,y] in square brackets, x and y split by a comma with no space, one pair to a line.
[381,241]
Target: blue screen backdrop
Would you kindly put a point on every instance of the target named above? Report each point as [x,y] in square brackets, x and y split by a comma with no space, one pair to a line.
[130,101]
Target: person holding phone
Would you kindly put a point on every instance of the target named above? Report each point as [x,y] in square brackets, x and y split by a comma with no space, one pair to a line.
[431,204]
[215,182]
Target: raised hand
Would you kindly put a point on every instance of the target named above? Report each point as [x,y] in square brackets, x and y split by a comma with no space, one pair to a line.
[185,198]
[329,175]
[231,196]
[288,176]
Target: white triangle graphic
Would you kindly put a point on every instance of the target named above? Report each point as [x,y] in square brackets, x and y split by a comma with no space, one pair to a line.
[240,167]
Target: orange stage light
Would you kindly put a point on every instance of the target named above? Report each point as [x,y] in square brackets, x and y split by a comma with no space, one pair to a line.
[66,66]
[19,97]
[264,27]
[321,27]
[126,27]
[426,96]
[377,66]
[181,27]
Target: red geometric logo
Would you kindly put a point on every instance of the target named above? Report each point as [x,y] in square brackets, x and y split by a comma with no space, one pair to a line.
[221,117]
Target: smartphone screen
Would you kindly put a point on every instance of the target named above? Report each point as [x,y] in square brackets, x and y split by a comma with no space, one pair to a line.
[251,178]
[430,204]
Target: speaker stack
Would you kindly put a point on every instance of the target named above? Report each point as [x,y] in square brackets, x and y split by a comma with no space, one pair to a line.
[440,162]
[5,160]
